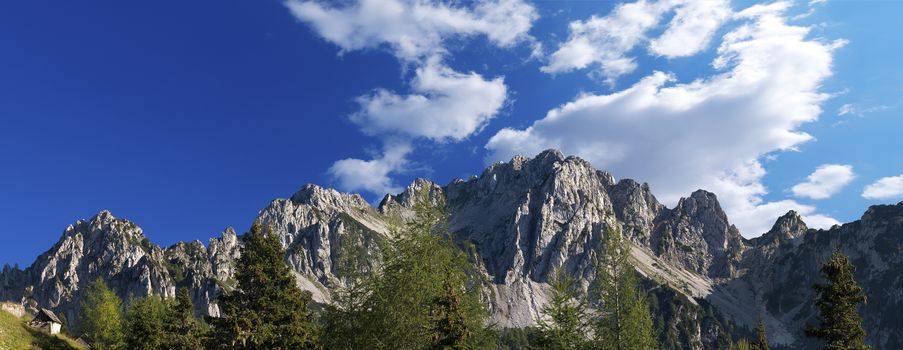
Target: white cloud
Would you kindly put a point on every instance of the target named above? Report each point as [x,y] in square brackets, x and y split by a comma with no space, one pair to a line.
[607,40]
[708,133]
[825,181]
[446,105]
[691,29]
[845,109]
[415,29]
[851,109]
[372,175]
[885,188]
[443,105]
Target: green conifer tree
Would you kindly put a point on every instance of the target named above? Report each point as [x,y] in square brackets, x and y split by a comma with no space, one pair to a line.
[267,310]
[344,324]
[424,295]
[182,330]
[742,344]
[841,325]
[761,338]
[145,322]
[564,324]
[624,321]
[101,320]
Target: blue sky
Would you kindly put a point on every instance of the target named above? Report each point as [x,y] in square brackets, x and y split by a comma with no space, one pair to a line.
[188,117]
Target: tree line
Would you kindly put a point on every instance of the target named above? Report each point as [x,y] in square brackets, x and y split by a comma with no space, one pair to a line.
[424,295]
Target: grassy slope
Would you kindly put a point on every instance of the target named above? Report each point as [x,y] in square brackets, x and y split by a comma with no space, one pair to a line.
[15,335]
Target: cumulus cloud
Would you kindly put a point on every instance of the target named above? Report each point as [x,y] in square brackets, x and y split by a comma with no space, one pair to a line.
[708,133]
[825,181]
[885,188]
[691,29]
[372,175]
[605,41]
[443,105]
[414,29]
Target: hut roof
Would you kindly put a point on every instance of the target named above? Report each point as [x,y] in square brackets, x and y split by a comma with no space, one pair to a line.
[47,315]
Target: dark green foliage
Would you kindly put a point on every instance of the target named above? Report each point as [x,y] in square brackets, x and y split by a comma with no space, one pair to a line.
[565,323]
[761,338]
[841,326]
[452,325]
[101,322]
[518,339]
[145,321]
[182,330]
[624,320]
[267,310]
[155,323]
[343,319]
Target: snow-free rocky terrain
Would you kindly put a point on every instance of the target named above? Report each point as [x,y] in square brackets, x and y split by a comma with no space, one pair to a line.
[520,220]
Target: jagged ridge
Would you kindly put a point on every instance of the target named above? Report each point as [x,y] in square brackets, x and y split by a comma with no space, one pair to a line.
[525,218]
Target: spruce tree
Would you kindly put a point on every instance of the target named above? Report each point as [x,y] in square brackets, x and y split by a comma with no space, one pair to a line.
[452,326]
[624,321]
[563,324]
[761,338]
[841,325]
[267,310]
[145,322]
[101,320]
[182,330]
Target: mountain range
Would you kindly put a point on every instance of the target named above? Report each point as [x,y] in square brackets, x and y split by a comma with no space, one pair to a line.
[519,221]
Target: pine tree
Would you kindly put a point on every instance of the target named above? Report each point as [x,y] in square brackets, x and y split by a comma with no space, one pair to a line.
[624,321]
[841,325]
[761,338]
[564,323]
[101,320]
[267,310]
[145,322]
[182,330]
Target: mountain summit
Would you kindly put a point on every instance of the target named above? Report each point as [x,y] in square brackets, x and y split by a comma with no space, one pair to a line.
[520,220]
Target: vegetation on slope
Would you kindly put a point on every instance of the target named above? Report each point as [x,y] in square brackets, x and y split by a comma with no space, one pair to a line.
[16,335]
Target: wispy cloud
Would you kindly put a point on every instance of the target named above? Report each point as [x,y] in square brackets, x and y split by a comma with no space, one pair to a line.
[852,109]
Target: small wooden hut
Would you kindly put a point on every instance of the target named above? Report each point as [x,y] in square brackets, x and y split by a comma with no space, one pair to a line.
[47,321]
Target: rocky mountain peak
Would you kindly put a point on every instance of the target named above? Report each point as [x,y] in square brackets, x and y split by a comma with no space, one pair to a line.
[879,212]
[786,228]
[407,198]
[697,234]
[103,247]
[327,198]
[105,227]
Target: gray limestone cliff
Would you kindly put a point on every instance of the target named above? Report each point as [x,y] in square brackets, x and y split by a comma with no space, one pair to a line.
[523,219]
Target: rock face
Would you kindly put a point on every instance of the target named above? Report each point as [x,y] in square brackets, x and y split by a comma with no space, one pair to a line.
[784,264]
[525,219]
[104,247]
